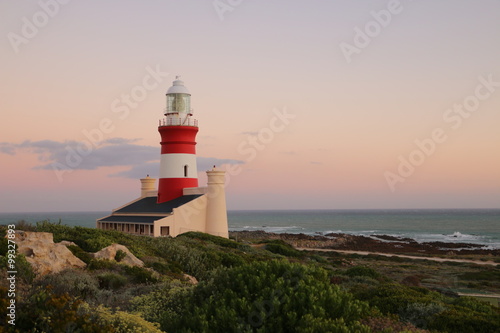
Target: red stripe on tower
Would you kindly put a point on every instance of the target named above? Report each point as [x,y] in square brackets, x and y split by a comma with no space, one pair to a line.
[178,140]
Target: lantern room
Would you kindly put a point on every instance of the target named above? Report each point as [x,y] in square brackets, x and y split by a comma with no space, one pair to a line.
[178,98]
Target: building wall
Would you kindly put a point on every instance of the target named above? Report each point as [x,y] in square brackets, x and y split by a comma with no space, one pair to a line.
[188,217]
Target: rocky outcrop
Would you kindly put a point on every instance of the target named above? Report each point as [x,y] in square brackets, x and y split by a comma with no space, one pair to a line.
[110,254]
[43,254]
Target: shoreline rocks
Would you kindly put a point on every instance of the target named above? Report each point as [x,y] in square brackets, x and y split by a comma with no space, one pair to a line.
[376,243]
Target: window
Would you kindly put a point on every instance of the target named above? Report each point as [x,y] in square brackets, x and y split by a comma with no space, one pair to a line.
[186,170]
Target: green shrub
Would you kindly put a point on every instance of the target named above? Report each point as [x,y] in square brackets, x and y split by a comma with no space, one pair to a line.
[22,266]
[111,281]
[140,274]
[98,264]
[24,269]
[488,275]
[24,225]
[93,240]
[80,254]
[458,320]
[120,255]
[165,268]
[44,311]
[281,247]
[420,314]
[220,241]
[76,283]
[153,305]
[275,296]
[119,321]
[4,242]
[473,304]
[96,244]
[363,271]
[394,297]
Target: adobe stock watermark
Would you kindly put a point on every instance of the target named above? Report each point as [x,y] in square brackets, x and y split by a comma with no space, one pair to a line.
[121,108]
[249,148]
[225,6]
[453,116]
[372,29]
[31,26]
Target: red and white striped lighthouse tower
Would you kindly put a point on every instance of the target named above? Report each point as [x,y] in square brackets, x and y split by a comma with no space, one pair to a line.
[178,140]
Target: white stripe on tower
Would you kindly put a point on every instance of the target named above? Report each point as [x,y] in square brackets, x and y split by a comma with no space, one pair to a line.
[178,166]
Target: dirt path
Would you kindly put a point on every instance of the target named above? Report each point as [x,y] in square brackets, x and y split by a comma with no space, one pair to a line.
[364,253]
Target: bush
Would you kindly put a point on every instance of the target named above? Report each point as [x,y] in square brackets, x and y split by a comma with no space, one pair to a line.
[139,274]
[165,268]
[23,267]
[24,225]
[281,247]
[119,321]
[111,281]
[75,283]
[80,254]
[473,304]
[152,306]
[93,240]
[392,298]
[363,271]
[220,241]
[45,311]
[275,296]
[420,314]
[98,264]
[457,320]
[120,255]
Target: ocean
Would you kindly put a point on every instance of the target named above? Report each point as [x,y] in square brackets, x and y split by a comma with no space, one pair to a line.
[478,226]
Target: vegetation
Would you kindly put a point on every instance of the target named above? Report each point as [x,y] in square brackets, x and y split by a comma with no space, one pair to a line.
[261,287]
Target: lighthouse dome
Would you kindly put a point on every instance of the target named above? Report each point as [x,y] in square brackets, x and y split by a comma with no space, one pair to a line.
[178,87]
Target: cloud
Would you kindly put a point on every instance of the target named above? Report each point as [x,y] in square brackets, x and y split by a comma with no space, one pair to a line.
[140,171]
[76,155]
[7,148]
[152,168]
[317,163]
[206,163]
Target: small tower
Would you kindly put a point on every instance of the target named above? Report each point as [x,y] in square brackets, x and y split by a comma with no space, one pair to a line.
[178,140]
[216,223]
[147,186]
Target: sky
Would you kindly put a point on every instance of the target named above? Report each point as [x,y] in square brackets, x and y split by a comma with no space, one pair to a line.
[305,104]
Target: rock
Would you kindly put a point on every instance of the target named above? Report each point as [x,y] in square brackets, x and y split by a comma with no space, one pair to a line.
[67,243]
[191,279]
[110,253]
[43,255]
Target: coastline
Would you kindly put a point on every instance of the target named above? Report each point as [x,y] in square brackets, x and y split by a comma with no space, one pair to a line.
[382,244]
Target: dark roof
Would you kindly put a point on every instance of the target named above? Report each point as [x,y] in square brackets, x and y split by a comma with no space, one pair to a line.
[130,219]
[149,205]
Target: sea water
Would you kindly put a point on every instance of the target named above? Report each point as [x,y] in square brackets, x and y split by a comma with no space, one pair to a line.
[479,226]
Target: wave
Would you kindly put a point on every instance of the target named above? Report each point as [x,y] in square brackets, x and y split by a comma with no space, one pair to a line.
[273,229]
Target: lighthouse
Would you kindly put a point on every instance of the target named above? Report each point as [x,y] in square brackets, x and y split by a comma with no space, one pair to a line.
[179,205]
[178,144]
